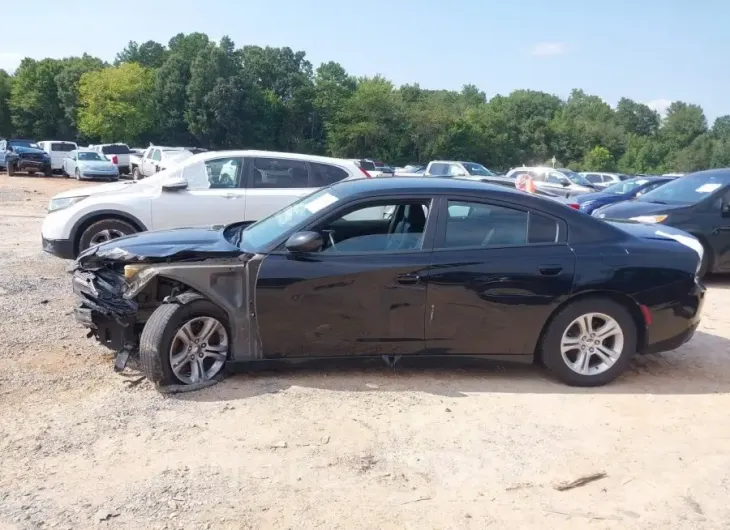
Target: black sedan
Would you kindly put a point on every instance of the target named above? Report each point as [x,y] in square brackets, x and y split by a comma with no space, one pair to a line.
[395,267]
[698,203]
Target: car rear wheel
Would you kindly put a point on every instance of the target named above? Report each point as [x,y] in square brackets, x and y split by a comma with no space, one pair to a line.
[103,231]
[185,343]
[589,342]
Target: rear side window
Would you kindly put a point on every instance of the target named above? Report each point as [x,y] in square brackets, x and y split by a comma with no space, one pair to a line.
[325,174]
[279,173]
[542,229]
[593,178]
[367,165]
[62,146]
[116,149]
[439,169]
[470,224]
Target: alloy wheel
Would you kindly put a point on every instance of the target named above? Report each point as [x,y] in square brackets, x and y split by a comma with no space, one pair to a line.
[592,343]
[106,235]
[199,350]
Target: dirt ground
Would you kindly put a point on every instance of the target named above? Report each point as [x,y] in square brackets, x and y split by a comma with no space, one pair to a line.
[350,446]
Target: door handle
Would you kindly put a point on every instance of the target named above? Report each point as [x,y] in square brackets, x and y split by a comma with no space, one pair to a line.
[550,270]
[231,196]
[408,279]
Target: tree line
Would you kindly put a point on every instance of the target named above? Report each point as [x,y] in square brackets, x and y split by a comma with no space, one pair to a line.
[197,92]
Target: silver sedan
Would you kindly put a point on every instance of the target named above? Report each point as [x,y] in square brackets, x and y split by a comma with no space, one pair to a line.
[87,164]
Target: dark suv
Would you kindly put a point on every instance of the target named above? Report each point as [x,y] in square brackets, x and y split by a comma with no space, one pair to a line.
[24,155]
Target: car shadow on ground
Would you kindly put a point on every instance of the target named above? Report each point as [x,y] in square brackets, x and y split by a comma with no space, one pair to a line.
[700,367]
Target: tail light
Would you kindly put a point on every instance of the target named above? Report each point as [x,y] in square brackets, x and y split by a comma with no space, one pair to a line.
[115,160]
[574,205]
[367,175]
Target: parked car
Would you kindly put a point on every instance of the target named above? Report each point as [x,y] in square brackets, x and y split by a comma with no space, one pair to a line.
[622,191]
[84,164]
[456,169]
[205,189]
[118,154]
[17,155]
[458,268]
[155,159]
[553,180]
[603,180]
[58,150]
[698,203]
[368,167]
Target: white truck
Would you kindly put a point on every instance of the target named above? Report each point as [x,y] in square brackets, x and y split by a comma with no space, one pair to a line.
[154,159]
[118,154]
[58,150]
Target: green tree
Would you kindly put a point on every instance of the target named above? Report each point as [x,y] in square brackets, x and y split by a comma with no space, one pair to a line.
[6,85]
[67,83]
[684,123]
[721,127]
[150,54]
[34,105]
[115,103]
[599,159]
[637,118]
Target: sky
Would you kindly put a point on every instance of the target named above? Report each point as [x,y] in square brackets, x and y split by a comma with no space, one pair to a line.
[652,51]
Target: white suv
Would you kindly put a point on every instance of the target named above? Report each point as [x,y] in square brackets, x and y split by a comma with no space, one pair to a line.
[208,188]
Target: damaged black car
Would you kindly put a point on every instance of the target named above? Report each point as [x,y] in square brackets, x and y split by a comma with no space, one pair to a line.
[395,267]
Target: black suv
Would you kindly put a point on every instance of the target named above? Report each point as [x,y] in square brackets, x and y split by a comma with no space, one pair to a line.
[24,155]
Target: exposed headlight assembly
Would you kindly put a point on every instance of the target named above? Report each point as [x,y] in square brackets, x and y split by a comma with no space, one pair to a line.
[63,202]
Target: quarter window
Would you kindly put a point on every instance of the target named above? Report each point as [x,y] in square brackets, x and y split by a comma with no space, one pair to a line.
[279,173]
[325,174]
[470,224]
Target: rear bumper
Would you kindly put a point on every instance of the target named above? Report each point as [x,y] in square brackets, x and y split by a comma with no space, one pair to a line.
[62,248]
[675,323]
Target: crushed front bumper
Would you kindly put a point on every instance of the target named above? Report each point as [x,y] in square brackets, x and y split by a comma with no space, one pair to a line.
[103,309]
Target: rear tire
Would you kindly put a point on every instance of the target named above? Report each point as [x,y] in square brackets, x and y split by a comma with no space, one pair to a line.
[48,172]
[563,349]
[159,342]
[11,170]
[103,231]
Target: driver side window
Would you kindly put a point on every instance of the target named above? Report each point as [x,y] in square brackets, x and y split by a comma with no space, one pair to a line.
[391,226]
[557,178]
[213,174]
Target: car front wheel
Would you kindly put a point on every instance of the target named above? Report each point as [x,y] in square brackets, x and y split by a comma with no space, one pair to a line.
[185,343]
[103,231]
[590,342]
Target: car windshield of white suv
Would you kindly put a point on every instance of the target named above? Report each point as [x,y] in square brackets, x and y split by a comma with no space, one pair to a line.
[687,190]
[264,232]
[477,169]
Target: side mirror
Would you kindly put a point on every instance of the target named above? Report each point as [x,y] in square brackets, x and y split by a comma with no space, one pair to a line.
[174,184]
[304,242]
[565,183]
[725,207]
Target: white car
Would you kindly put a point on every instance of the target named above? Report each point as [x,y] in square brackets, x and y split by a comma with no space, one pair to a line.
[560,182]
[117,153]
[206,189]
[58,150]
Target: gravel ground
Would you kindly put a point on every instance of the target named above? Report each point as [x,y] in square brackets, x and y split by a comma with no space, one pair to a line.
[341,446]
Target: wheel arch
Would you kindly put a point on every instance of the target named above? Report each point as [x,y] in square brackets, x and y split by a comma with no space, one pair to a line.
[623,299]
[90,218]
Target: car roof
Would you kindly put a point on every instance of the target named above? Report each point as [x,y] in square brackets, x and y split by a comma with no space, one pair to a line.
[269,154]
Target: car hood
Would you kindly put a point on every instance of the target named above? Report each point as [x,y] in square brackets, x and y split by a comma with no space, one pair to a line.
[598,196]
[96,164]
[32,150]
[114,187]
[629,209]
[181,244]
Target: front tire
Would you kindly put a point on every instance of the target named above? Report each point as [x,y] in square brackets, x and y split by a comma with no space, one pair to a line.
[11,170]
[589,342]
[48,172]
[185,343]
[103,231]
[136,175]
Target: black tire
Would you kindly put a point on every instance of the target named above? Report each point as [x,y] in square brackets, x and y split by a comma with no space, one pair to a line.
[550,344]
[136,175]
[77,174]
[705,266]
[160,330]
[48,172]
[11,170]
[114,225]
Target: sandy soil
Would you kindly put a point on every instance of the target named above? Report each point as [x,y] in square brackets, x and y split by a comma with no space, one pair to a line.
[354,446]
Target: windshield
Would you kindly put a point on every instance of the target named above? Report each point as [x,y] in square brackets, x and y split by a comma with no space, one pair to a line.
[115,149]
[89,155]
[262,233]
[477,169]
[625,187]
[24,143]
[63,146]
[688,190]
[576,178]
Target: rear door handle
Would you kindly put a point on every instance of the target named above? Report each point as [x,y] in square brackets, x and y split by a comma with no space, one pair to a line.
[408,279]
[231,196]
[550,270]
